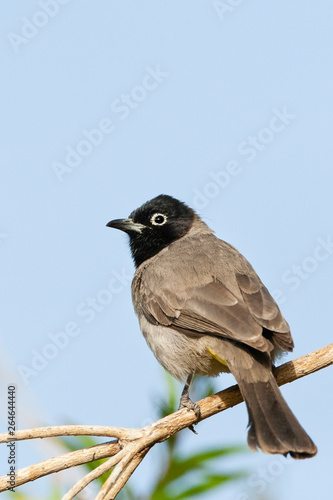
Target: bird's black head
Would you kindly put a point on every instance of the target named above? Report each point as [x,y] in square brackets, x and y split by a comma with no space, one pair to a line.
[155,225]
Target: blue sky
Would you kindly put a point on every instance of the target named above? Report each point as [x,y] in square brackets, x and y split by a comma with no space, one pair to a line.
[225,105]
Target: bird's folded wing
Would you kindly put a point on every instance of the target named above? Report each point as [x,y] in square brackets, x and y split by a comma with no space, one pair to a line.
[264,309]
[211,309]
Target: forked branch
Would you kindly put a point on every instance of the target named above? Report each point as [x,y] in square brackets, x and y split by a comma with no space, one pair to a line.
[130,446]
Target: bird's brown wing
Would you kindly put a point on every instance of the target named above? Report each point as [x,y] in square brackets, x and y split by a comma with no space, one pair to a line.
[264,309]
[212,309]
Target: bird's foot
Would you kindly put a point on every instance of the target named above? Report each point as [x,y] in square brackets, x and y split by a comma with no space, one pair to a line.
[186,402]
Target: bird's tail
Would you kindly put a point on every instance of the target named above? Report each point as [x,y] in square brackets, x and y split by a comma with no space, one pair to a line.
[272,426]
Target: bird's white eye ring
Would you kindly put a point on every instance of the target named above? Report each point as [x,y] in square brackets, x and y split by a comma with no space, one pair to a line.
[158,219]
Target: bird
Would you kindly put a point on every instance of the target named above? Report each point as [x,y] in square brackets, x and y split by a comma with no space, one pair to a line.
[203,310]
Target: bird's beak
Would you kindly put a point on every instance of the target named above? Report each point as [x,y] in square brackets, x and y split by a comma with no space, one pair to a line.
[126,225]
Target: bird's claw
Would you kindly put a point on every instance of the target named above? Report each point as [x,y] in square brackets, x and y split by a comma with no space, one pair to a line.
[186,402]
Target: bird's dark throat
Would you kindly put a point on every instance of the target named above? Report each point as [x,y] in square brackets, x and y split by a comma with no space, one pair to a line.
[150,242]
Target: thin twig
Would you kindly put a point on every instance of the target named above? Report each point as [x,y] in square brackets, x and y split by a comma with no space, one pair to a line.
[133,444]
[62,462]
[125,474]
[70,430]
[113,476]
[91,476]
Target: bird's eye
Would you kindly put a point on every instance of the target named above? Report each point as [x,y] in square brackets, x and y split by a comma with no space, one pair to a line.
[158,219]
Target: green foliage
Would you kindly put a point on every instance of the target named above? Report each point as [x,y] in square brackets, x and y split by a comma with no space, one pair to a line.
[187,476]
[180,475]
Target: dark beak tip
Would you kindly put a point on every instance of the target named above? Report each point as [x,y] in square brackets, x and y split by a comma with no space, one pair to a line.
[116,223]
[126,225]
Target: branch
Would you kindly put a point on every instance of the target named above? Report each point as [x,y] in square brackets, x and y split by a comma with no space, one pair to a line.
[70,430]
[56,464]
[132,445]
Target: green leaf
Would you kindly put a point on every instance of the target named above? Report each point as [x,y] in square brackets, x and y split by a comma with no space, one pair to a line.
[205,455]
[180,466]
[206,484]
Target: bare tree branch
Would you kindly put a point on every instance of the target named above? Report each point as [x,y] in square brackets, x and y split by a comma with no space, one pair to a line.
[88,478]
[132,445]
[62,462]
[71,430]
